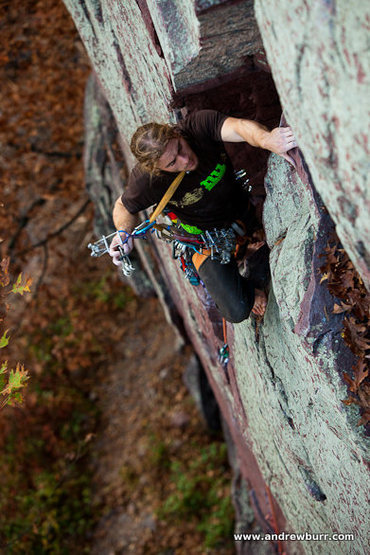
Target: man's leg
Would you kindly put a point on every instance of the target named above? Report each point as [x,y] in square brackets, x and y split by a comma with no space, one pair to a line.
[234,295]
[256,266]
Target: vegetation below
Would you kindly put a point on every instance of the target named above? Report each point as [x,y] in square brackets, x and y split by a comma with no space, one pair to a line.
[98,434]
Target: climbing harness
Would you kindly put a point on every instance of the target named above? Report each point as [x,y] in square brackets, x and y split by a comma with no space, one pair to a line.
[218,244]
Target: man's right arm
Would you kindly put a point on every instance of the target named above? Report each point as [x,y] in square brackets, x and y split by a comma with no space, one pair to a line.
[124,221]
[122,218]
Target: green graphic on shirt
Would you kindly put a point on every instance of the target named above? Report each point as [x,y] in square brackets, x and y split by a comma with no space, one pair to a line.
[215,177]
[191,229]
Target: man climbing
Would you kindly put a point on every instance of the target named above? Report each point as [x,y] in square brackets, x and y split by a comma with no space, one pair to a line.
[208,197]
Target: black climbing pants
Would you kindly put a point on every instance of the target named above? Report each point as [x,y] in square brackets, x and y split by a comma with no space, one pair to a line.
[232,294]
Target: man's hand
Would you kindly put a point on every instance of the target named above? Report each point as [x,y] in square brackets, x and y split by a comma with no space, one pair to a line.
[280,140]
[114,251]
[122,220]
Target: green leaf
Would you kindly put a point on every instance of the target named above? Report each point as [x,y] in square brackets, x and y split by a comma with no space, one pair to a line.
[17,377]
[3,370]
[4,367]
[19,288]
[16,398]
[4,340]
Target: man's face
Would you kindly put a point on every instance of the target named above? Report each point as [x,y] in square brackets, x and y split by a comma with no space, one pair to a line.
[178,157]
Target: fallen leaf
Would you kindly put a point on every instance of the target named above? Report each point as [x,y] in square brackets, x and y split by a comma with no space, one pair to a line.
[361,371]
[343,307]
[352,385]
[4,340]
[19,288]
[280,240]
[348,401]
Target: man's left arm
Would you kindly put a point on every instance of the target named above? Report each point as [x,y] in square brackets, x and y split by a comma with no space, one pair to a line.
[280,140]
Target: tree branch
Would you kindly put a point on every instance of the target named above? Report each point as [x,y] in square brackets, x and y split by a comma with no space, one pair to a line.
[23,221]
[58,231]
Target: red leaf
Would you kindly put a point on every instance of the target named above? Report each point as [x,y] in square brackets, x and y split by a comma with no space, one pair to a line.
[352,385]
[343,307]
[354,336]
[361,371]
[348,401]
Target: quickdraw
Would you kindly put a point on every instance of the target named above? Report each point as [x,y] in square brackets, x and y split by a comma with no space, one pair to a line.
[224,352]
[102,246]
[220,242]
[189,270]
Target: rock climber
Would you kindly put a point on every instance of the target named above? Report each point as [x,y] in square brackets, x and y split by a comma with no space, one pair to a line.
[208,196]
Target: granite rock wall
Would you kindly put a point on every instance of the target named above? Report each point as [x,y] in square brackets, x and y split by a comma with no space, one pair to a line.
[319,55]
[298,452]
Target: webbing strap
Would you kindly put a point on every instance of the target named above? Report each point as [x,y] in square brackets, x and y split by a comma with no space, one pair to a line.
[224,330]
[167,196]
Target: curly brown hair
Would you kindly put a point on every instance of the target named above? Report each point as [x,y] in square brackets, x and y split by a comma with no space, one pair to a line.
[149,142]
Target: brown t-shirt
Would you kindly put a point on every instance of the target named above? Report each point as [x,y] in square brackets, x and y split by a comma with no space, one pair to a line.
[207,196]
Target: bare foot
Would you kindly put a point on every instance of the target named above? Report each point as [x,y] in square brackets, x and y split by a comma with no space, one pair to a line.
[260,302]
[253,247]
[257,245]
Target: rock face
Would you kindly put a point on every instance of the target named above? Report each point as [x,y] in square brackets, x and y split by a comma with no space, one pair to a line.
[105,173]
[218,57]
[318,52]
[294,371]
[298,452]
[283,402]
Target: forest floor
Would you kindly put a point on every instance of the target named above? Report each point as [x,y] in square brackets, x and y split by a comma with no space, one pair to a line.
[162,481]
[107,454]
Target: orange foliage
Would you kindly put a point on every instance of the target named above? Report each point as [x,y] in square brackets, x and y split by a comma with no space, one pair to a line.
[345,283]
[43,68]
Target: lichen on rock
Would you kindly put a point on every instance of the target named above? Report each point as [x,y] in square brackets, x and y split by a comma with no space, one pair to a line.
[282,400]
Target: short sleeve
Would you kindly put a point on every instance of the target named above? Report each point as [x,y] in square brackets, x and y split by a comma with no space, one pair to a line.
[205,125]
[135,197]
